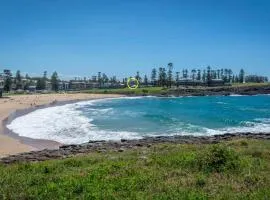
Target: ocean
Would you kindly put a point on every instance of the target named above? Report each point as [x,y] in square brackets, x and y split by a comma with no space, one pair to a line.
[136,117]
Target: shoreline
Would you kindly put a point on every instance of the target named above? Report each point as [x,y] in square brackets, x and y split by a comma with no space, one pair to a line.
[103,146]
[11,143]
[18,105]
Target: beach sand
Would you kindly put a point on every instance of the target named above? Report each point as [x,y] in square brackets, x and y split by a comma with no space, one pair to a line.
[13,145]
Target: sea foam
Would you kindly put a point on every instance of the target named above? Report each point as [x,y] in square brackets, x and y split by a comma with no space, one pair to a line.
[83,121]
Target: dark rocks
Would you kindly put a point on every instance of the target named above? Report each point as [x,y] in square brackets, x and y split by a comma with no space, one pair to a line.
[103,146]
[121,150]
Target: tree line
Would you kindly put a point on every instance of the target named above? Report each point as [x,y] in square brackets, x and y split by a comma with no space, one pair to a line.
[39,82]
[162,76]
[165,77]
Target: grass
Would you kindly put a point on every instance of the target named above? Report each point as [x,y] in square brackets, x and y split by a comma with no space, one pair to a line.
[127,91]
[154,90]
[237,169]
[250,84]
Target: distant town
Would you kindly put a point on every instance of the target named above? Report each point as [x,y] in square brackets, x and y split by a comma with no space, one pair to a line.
[162,77]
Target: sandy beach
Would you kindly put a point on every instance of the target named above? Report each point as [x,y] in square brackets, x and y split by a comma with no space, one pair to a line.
[10,145]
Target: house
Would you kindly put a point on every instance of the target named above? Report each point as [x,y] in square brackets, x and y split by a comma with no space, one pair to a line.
[48,86]
[190,82]
[32,88]
[63,85]
[217,82]
[77,85]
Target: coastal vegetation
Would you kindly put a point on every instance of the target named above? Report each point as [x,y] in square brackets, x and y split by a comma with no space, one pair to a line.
[162,77]
[237,169]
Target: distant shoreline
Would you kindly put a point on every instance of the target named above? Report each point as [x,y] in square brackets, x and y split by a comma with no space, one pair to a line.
[187,91]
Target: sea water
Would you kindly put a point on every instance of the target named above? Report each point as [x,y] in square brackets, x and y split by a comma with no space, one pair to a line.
[136,117]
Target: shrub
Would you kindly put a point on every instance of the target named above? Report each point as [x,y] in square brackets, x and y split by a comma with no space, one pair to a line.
[145,91]
[200,182]
[218,158]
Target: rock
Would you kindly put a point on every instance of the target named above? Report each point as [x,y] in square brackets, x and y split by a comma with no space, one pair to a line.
[103,146]
[121,150]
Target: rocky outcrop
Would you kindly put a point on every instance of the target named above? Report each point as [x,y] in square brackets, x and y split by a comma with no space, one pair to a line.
[243,90]
[120,146]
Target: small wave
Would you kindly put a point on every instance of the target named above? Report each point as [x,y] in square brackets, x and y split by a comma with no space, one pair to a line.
[223,103]
[236,95]
[263,120]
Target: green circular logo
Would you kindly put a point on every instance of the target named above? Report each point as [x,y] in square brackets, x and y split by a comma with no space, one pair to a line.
[132,83]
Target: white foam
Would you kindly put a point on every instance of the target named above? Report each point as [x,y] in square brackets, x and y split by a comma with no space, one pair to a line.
[236,95]
[223,103]
[67,124]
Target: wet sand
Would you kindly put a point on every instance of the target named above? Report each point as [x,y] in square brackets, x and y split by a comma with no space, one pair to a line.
[11,143]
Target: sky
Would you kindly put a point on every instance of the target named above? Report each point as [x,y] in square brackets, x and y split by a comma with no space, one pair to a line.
[120,37]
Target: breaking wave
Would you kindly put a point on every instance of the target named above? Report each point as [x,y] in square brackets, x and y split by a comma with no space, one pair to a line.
[137,117]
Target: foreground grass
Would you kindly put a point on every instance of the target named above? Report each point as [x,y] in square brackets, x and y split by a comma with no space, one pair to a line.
[233,170]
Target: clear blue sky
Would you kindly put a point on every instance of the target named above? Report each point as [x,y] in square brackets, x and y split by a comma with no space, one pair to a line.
[82,37]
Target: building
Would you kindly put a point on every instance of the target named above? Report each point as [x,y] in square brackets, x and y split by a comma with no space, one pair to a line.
[217,82]
[63,85]
[190,82]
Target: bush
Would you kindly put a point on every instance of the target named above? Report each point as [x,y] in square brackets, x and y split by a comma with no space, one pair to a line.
[200,181]
[145,91]
[218,158]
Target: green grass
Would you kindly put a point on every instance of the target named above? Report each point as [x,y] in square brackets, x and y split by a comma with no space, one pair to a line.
[127,91]
[250,84]
[237,169]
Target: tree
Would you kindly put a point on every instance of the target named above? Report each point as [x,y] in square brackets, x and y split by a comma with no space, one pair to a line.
[45,75]
[18,80]
[162,77]
[145,81]
[55,81]
[199,75]
[193,72]
[154,76]
[225,75]
[177,78]
[170,76]
[7,84]
[218,74]
[230,74]
[105,78]
[204,76]
[222,74]
[208,77]
[241,76]
[236,79]
[185,73]
[99,79]
[41,82]
[138,76]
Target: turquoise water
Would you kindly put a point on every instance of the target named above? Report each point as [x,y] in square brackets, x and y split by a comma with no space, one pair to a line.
[168,116]
[136,117]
